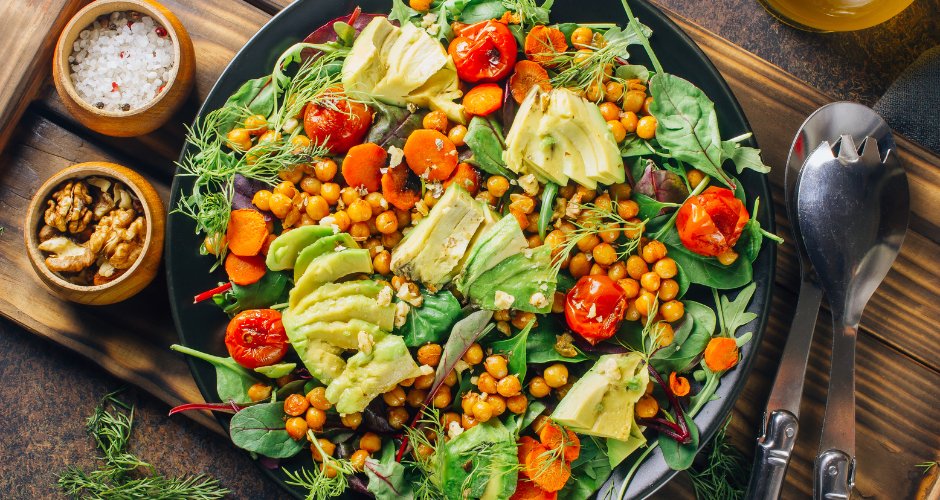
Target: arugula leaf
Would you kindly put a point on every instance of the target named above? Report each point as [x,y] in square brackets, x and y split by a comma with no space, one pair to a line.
[734,313]
[269,290]
[232,380]
[386,476]
[691,338]
[481,10]
[625,37]
[588,473]
[515,350]
[707,270]
[743,157]
[680,456]
[392,125]
[540,343]
[261,429]
[485,138]
[402,13]
[345,33]
[688,125]
[707,393]
[432,321]
[633,71]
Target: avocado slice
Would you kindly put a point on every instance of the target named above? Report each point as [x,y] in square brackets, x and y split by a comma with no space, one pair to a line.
[344,334]
[610,168]
[488,453]
[369,375]
[525,150]
[329,268]
[502,241]
[277,370]
[601,402]
[523,276]
[342,309]
[490,218]
[363,67]
[368,288]
[284,249]
[412,60]
[320,247]
[322,359]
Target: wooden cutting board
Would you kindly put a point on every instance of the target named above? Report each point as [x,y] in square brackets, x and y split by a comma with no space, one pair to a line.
[899,367]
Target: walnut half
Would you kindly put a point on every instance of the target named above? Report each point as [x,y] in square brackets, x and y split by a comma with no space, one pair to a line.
[69,256]
[119,236]
[68,208]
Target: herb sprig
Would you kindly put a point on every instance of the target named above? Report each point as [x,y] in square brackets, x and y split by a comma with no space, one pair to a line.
[725,473]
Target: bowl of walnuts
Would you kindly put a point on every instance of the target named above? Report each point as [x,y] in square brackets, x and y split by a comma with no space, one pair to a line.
[94,233]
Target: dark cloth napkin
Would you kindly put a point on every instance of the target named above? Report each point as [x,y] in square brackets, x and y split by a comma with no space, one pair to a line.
[911,106]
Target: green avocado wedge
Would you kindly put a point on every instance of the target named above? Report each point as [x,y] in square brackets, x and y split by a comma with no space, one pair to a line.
[330,268]
[282,254]
[387,363]
[502,240]
[526,276]
[323,245]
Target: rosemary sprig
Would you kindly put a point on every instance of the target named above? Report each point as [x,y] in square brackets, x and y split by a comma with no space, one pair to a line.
[725,473]
[926,466]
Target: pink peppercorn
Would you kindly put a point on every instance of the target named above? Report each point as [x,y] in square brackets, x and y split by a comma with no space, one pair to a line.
[160,32]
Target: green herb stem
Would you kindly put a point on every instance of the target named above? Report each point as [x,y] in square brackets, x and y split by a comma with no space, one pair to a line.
[643,41]
[672,220]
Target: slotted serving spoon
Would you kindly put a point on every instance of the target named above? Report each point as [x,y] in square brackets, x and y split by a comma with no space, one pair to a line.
[853,212]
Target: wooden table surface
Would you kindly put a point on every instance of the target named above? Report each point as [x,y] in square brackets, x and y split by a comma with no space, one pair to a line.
[58,359]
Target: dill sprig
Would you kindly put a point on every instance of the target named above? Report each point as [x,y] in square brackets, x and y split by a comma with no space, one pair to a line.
[926,466]
[581,69]
[725,473]
[111,432]
[312,83]
[319,484]
[426,488]
[594,221]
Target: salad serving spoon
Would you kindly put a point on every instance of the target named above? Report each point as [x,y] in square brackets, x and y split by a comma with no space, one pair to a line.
[853,211]
[781,417]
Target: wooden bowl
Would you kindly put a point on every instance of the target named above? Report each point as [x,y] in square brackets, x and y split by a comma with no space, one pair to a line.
[144,269]
[148,117]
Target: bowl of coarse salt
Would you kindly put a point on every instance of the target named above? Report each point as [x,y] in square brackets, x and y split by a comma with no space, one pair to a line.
[124,67]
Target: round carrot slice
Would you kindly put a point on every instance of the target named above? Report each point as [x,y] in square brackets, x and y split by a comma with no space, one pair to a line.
[247,232]
[552,437]
[467,177]
[400,187]
[543,44]
[526,489]
[362,166]
[244,270]
[548,471]
[432,152]
[526,444]
[527,75]
[483,99]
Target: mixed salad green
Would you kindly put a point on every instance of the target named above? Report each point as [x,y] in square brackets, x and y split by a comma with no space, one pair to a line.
[458,241]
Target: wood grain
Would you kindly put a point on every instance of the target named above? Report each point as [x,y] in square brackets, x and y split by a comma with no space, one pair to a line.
[27,49]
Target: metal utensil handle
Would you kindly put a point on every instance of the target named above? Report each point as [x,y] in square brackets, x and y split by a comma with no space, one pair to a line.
[772,456]
[833,476]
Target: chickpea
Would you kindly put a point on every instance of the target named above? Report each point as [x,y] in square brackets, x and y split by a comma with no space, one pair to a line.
[666,268]
[663,331]
[466,404]
[695,177]
[259,392]
[650,282]
[429,199]
[595,91]
[502,315]
[448,418]
[496,366]
[597,270]
[486,383]
[330,192]
[672,310]
[351,420]
[509,386]
[328,470]
[613,91]
[653,251]
[317,208]
[556,375]
[295,405]
[633,101]
[359,231]
[435,120]
[497,185]
[555,240]
[631,314]
[420,5]
[646,106]
[579,266]
[497,404]
[293,174]
[646,407]
[214,243]
[387,222]
[328,449]
[588,242]
[523,318]
[517,404]
[646,127]
[390,240]
[397,417]
[442,399]
[582,37]
[416,397]
[317,399]
[629,121]
[430,354]
[238,139]
[296,427]
[582,56]
[451,379]
[633,229]
[608,73]
[627,209]
[534,241]
[325,169]
[382,262]
[467,421]
[301,143]
[262,199]
[457,134]
[256,124]
[395,397]
[287,189]
[474,354]
[617,129]
[617,271]
[370,442]
[486,197]
[610,111]
[310,185]
[358,459]
[644,303]
[630,286]
[349,195]
[604,254]
[668,290]
[482,411]
[315,418]
[637,267]
[341,219]
[540,422]
[359,211]
[538,388]
[587,195]
[280,205]
[728,257]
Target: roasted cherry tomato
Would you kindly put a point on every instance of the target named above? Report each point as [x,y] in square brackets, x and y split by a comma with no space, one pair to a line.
[484,52]
[341,128]
[594,307]
[256,338]
[711,223]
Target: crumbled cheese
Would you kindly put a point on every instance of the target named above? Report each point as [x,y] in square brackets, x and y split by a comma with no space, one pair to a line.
[385,296]
[503,300]
[513,182]
[503,327]
[335,228]
[383,203]
[609,369]
[454,429]
[329,220]
[436,189]
[428,20]
[529,184]
[538,300]
[395,156]
[339,248]
[600,319]
[592,312]
[434,29]
[426,370]
[543,286]
[362,191]
[379,249]
[401,313]
[290,125]
[422,208]
[589,256]
[409,293]
[411,107]
[528,253]
[366,342]
[474,380]
[461,366]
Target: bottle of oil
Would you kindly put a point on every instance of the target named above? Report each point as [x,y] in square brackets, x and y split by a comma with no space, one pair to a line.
[834,15]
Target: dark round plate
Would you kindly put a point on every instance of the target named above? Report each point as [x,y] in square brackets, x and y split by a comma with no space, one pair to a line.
[202,326]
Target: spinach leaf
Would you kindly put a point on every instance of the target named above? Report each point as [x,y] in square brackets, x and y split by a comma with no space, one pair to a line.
[518,423]
[386,476]
[540,343]
[680,456]
[402,13]
[565,282]
[683,280]
[481,10]
[261,429]
[750,241]
[743,157]
[691,338]
[588,473]
[633,71]
[392,125]
[485,138]
[515,351]
[232,379]
[344,33]
[431,321]
[256,95]
[707,270]
[688,125]
[269,290]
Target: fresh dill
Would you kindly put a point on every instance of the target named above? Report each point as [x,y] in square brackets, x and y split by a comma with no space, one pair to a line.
[319,483]
[420,435]
[597,220]
[725,473]
[581,69]
[926,466]
[529,14]
[111,431]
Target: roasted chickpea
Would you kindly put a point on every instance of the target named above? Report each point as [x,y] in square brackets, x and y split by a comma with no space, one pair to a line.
[358,459]
[442,399]
[474,354]
[325,169]
[457,134]
[382,262]
[695,177]
[668,290]
[317,208]
[646,407]
[330,192]
[637,267]
[672,310]
[497,404]
[351,420]
[509,386]
[728,257]
[582,37]
[534,241]
[259,392]
[370,442]
[631,313]
[630,286]
[666,268]
[390,240]
[262,199]
[486,383]
[604,254]
[295,405]
[617,271]
[610,111]
[517,404]
[663,331]
[238,139]
[486,197]
[395,397]
[497,366]
[567,191]
[317,398]
[451,379]
[497,185]
[342,221]
[311,185]
[523,318]
[580,266]
[328,449]
[448,418]
[420,5]
[482,411]
[650,282]
[594,92]
[397,417]
[467,421]
[296,427]
[386,222]
[467,402]
[301,144]
[613,91]
[435,120]
[588,242]
[644,303]
[291,174]
[556,375]
[415,397]
[256,124]
[627,209]
[633,101]
[617,129]
[646,127]
[315,418]
[629,121]
[653,251]
[597,270]
[538,387]
[429,354]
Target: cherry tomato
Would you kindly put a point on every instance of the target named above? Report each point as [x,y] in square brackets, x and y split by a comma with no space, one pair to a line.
[256,338]
[484,52]
[341,128]
[594,307]
[711,223]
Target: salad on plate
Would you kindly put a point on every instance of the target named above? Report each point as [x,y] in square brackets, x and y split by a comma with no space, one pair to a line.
[458,241]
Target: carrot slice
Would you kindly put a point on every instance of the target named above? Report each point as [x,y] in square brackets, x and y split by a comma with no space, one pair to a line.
[527,75]
[246,232]
[467,177]
[400,187]
[721,354]
[362,165]
[526,489]
[244,270]
[549,472]
[678,385]
[526,445]
[431,151]
[543,44]
[483,99]
[553,438]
